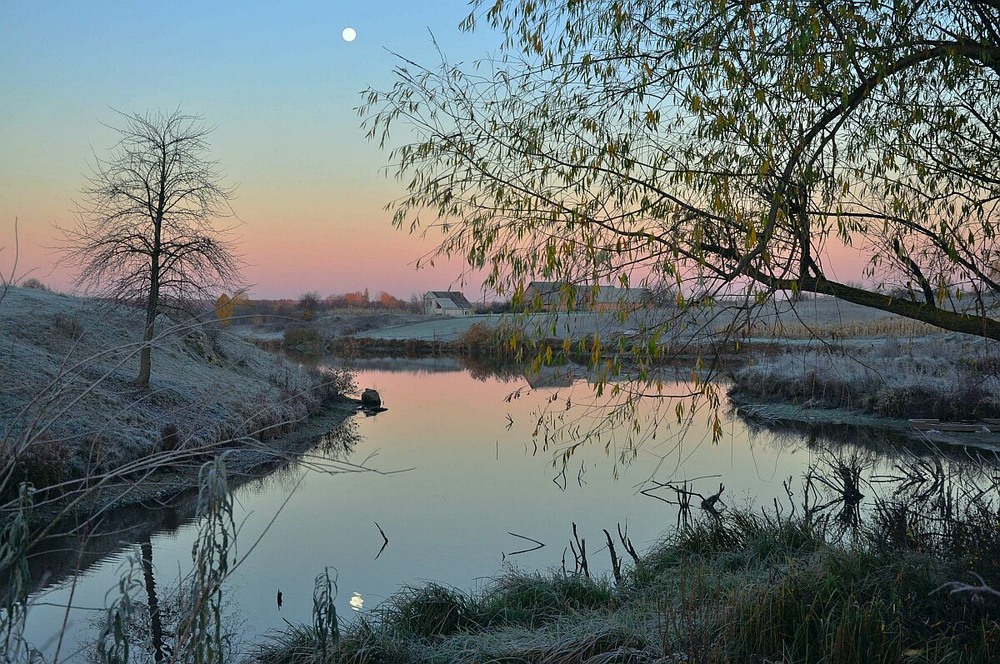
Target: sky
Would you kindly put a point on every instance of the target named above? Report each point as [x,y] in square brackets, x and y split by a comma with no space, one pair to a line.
[281,87]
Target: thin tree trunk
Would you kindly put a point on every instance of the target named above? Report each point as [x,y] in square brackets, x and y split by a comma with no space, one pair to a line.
[145,353]
[152,304]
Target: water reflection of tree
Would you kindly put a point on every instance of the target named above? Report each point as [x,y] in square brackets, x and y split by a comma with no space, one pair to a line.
[619,421]
[484,369]
[89,539]
[339,443]
[896,469]
[152,601]
[416,365]
[938,504]
[790,433]
[154,622]
[327,453]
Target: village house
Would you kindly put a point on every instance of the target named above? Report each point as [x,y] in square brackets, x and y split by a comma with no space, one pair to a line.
[552,296]
[562,296]
[447,303]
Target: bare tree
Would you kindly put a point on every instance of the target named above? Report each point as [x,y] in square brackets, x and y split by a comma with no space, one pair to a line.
[145,232]
[310,303]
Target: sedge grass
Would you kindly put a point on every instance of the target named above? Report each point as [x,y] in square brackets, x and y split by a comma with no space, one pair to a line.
[742,586]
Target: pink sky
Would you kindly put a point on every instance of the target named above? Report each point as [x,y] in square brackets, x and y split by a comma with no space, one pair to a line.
[280,86]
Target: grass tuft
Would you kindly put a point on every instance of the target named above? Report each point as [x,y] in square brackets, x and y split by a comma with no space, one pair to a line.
[940,379]
[429,611]
[533,600]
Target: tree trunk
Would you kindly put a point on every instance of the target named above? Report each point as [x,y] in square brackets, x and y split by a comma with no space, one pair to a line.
[954,321]
[152,302]
[146,352]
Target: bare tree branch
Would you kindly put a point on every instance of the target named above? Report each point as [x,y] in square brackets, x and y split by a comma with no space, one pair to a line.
[146,229]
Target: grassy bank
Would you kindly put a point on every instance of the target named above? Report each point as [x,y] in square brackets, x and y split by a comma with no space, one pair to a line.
[746,586]
[949,377]
[71,417]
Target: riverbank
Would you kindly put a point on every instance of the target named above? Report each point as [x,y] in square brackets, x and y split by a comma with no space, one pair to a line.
[73,423]
[872,369]
[161,480]
[742,586]
[949,377]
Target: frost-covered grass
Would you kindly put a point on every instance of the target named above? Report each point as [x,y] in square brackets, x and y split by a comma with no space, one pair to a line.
[69,407]
[746,586]
[945,376]
[790,326]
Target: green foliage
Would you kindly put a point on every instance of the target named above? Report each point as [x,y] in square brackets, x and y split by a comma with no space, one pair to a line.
[495,342]
[307,644]
[113,646]
[852,608]
[325,625]
[201,638]
[741,586]
[764,537]
[15,540]
[696,147]
[296,644]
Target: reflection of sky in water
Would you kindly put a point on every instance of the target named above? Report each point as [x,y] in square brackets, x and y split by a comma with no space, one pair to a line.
[474,474]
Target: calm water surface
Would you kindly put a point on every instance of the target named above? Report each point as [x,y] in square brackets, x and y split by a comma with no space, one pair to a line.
[462,464]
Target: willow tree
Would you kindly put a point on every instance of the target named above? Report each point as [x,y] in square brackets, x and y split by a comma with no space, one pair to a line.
[716,146]
[146,230]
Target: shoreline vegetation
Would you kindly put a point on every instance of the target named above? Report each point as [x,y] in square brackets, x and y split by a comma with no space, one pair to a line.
[914,583]
[795,583]
[881,372]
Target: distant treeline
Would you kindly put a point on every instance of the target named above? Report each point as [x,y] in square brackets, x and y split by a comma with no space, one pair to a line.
[242,310]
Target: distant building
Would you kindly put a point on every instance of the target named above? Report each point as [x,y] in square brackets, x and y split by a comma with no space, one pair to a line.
[562,296]
[553,296]
[446,303]
[613,298]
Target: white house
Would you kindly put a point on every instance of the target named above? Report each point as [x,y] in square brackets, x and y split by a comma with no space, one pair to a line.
[446,303]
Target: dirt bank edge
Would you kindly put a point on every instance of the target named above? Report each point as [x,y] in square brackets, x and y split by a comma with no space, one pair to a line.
[162,484]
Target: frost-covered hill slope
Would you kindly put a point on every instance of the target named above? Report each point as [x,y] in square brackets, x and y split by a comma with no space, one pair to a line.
[67,395]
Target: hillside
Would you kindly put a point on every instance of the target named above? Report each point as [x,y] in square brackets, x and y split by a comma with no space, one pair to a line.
[69,407]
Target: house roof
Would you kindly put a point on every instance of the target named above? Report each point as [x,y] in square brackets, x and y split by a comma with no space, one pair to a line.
[591,293]
[449,299]
[548,286]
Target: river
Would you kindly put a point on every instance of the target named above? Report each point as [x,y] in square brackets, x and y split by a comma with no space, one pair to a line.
[465,475]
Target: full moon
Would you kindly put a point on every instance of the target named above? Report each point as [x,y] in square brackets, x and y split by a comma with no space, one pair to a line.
[349,34]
